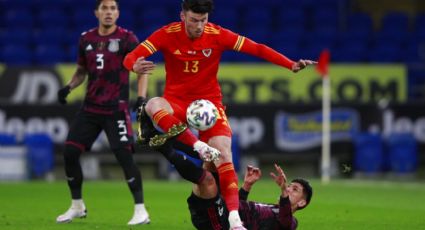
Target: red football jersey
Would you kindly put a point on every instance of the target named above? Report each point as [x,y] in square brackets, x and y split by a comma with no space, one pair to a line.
[191,65]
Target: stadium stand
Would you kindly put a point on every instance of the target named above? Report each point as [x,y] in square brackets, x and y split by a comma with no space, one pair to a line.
[337,25]
[298,28]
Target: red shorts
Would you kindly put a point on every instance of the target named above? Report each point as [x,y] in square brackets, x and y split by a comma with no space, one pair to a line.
[221,127]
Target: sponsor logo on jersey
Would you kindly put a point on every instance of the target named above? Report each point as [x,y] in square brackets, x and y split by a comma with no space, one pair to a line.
[177,52]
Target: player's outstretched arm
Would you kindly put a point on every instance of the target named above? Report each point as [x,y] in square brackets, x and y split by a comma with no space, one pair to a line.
[267,53]
[301,64]
[252,175]
[280,179]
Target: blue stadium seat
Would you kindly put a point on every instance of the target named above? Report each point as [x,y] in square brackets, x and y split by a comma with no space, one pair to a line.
[158,16]
[291,51]
[395,21]
[258,17]
[323,35]
[71,53]
[127,19]
[16,4]
[84,18]
[419,22]
[359,21]
[258,34]
[355,35]
[230,56]
[385,53]
[369,154]
[403,153]
[40,153]
[142,34]
[52,35]
[53,17]
[49,54]
[293,17]
[39,5]
[414,51]
[226,17]
[288,36]
[420,33]
[17,36]
[393,36]
[16,55]
[20,18]
[325,17]
[350,52]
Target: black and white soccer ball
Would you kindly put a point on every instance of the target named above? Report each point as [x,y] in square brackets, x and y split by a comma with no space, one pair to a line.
[201,114]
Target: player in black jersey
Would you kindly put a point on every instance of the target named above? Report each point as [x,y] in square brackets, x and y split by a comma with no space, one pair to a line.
[209,212]
[105,107]
[206,205]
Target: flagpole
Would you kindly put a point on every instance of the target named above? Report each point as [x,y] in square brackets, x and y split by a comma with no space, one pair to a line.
[323,69]
[326,131]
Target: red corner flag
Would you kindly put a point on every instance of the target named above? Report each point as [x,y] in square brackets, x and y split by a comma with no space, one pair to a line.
[322,66]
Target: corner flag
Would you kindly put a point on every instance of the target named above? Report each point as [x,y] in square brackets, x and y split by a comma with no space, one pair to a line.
[323,65]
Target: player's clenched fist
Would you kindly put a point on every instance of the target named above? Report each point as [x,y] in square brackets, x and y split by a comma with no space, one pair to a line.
[63,93]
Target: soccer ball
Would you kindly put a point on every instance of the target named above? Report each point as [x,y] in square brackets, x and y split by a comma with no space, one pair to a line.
[201,114]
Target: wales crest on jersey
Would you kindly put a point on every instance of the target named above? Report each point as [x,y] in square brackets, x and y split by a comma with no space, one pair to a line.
[207,52]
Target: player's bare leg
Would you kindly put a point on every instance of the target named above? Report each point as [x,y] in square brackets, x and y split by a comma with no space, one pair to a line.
[161,114]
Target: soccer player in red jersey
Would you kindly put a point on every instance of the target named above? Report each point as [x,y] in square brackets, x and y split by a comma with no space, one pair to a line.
[105,107]
[192,49]
[206,205]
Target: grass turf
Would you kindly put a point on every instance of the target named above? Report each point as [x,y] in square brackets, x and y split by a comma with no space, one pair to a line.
[339,205]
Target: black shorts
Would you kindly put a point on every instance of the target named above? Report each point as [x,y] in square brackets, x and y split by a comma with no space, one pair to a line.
[87,126]
[208,214]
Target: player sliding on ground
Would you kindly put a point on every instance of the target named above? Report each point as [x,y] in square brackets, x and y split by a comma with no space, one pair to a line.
[192,49]
[206,204]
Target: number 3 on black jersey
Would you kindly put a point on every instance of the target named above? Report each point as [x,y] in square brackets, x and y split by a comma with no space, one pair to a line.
[100,61]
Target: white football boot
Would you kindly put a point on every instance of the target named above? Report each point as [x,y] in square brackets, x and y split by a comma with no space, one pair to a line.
[140,215]
[235,221]
[206,152]
[77,210]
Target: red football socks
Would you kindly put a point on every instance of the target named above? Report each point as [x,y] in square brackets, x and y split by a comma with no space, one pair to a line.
[229,185]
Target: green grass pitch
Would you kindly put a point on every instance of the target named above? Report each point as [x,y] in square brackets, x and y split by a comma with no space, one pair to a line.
[339,205]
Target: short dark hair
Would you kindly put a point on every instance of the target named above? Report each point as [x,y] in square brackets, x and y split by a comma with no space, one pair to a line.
[307,190]
[98,2]
[198,6]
